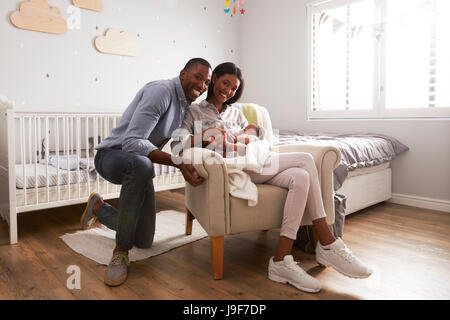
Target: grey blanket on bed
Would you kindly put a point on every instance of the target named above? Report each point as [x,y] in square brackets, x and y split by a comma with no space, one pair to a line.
[358,150]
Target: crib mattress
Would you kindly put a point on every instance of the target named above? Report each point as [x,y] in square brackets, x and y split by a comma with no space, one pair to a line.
[77,193]
[37,174]
[68,176]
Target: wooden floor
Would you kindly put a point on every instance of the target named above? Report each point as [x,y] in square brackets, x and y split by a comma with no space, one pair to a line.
[409,248]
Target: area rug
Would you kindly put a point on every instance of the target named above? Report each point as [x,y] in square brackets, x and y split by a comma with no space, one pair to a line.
[98,243]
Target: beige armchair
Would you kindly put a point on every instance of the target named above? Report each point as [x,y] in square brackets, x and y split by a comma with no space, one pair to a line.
[221,214]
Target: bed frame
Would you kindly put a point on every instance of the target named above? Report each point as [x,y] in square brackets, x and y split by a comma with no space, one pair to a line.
[365,189]
[27,138]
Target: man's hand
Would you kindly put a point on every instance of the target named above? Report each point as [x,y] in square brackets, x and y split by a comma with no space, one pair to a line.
[188,170]
[190,174]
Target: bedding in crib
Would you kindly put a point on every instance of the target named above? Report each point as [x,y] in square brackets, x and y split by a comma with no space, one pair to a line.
[67,176]
[40,171]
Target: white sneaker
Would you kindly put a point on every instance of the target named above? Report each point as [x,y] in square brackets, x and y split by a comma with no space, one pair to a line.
[288,271]
[338,256]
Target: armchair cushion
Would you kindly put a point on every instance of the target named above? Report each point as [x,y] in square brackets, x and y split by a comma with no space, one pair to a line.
[266,215]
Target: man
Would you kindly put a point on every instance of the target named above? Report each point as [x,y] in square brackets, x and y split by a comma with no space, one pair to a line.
[126,157]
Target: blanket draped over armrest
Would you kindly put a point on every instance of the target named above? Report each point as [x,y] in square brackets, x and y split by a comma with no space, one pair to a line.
[240,184]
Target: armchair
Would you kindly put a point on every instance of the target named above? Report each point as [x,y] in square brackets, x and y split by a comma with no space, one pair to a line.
[221,214]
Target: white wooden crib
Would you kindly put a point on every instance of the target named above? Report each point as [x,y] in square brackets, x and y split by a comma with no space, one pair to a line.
[46,161]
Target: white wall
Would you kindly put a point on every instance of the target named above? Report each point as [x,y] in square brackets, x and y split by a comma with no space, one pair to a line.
[170,33]
[274,62]
[268,42]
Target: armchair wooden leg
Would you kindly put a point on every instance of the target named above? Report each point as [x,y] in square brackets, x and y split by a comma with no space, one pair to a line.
[217,256]
[189,219]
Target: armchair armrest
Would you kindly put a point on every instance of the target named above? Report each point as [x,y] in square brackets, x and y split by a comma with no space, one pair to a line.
[209,202]
[326,158]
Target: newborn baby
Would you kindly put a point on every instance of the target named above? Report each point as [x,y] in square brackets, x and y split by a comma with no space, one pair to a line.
[235,142]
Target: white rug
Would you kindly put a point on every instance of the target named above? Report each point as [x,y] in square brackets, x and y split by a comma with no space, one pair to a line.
[98,243]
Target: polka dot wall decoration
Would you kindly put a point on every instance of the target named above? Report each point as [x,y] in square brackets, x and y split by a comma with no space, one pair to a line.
[194,16]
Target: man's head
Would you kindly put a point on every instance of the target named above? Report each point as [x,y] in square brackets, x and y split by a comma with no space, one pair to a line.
[195,78]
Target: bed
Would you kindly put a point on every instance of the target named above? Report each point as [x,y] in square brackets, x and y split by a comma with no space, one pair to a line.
[46,161]
[364,176]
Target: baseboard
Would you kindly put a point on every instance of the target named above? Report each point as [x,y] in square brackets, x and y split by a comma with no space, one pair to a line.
[421,202]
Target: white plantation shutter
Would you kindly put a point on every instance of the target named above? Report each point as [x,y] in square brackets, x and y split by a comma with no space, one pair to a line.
[379,58]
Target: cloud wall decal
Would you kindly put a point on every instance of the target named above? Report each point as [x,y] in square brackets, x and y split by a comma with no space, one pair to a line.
[118,42]
[38,15]
[95,5]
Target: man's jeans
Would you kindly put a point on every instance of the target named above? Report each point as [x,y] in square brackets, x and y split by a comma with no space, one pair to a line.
[134,221]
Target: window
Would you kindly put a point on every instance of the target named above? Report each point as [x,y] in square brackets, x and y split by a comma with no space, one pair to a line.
[379,59]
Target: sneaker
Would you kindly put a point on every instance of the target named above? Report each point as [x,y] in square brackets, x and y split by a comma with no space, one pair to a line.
[116,272]
[288,271]
[89,218]
[338,256]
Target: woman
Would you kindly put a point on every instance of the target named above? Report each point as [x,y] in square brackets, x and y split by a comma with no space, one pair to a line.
[295,172]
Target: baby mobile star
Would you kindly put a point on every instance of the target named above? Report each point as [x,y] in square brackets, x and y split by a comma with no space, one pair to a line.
[236,4]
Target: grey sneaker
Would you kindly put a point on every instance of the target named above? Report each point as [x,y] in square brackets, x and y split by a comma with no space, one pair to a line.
[116,272]
[88,218]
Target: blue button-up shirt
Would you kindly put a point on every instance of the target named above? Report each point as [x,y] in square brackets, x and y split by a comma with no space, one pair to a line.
[148,122]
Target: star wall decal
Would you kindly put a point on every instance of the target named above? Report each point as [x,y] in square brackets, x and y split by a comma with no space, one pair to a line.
[242,11]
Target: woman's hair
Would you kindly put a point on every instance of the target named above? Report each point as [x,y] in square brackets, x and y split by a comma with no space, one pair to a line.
[223,69]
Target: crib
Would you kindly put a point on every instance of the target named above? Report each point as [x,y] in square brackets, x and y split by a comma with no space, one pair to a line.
[47,161]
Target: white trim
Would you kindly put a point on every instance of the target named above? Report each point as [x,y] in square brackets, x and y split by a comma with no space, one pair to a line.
[421,202]
[320,5]
[379,109]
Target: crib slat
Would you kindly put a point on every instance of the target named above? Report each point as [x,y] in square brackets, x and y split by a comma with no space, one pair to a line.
[39,139]
[22,154]
[104,135]
[78,140]
[46,154]
[29,140]
[36,142]
[66,151]
[57,155]
[87,156]
[94,146]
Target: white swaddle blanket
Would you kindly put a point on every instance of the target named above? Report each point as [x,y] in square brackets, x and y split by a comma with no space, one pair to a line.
[241,186]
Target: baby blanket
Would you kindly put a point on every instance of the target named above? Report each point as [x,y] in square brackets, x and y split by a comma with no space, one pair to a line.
[239,181]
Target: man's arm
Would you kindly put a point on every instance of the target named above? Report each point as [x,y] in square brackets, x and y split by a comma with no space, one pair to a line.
[153,103]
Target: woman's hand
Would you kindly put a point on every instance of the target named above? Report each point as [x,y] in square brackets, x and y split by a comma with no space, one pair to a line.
[252,129]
